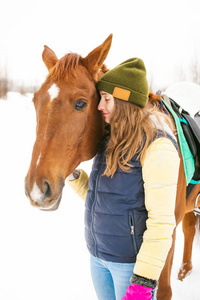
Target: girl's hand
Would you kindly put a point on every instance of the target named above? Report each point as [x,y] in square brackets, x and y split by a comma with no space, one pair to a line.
[138,292]
[74,175]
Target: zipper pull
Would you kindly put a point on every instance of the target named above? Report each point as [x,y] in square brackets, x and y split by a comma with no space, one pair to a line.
[132,230]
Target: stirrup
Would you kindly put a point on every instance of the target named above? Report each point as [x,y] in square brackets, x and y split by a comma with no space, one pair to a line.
[196,209]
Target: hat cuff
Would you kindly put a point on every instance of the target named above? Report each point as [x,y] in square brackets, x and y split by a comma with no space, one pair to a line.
[135,97]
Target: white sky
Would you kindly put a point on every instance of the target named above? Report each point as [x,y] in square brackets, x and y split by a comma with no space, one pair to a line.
[165,34]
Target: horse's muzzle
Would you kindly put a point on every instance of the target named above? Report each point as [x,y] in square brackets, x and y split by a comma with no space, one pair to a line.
[44,196]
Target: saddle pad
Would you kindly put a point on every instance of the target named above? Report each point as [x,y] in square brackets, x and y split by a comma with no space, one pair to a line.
[188,159]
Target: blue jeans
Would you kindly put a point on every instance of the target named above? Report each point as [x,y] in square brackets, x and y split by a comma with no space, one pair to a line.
[111,279]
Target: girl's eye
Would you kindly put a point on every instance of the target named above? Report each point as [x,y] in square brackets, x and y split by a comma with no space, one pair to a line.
[80,104]
[107,99]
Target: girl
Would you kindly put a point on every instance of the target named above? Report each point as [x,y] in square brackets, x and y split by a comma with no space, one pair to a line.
[129,215]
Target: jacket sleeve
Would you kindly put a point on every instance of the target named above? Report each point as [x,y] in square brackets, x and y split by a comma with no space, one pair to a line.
[80,185]
[160,169]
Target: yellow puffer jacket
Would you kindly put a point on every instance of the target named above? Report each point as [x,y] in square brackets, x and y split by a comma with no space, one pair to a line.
[160,176]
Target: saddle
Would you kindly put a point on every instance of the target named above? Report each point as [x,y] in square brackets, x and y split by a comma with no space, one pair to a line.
[191,130]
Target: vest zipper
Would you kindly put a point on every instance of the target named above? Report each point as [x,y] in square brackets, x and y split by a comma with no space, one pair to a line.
[133,231]
[92,210]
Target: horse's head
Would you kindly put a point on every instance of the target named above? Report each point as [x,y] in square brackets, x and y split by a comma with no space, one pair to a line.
[69,126]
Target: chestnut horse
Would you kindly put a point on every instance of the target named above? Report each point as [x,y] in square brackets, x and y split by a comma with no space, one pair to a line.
[69,131]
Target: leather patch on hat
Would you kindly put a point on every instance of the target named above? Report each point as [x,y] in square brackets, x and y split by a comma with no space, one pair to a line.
[121,93]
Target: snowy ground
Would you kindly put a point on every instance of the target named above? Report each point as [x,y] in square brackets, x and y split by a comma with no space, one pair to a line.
[43,254]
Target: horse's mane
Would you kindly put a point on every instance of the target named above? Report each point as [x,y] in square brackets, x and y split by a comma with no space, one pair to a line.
[154,97]
[65,66]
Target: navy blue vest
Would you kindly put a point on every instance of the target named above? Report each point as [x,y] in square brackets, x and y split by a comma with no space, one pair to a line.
[115,214]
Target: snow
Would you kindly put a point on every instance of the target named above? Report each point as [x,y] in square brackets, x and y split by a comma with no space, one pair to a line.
[43,254]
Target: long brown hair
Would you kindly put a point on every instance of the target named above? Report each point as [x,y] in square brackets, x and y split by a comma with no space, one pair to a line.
[132,131]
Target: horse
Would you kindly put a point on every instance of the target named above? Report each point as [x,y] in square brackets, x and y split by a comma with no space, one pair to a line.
[183,92]
[69,130]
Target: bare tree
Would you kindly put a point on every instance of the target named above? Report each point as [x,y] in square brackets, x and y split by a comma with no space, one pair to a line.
[4,82]
[180,73]
[195,69]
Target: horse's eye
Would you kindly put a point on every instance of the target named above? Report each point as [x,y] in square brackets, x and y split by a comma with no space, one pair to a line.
[80,104]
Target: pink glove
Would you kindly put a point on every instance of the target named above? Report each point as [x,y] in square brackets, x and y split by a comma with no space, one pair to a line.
[138,292]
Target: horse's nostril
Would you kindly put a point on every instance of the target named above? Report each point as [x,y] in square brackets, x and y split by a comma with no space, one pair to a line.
[48,192]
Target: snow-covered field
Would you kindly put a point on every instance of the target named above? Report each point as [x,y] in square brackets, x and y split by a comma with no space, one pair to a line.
[43,254]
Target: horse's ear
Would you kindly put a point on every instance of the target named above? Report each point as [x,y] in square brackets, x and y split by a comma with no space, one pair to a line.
[94,60]
[49,57]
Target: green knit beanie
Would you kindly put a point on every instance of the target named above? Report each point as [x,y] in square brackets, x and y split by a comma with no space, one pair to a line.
[127,82]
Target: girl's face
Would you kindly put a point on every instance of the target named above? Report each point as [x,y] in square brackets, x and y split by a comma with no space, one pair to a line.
[106,105]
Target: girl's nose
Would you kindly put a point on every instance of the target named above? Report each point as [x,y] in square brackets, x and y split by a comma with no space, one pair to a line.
[101,105]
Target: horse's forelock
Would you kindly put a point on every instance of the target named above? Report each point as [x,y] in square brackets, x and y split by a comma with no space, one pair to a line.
[65,66]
